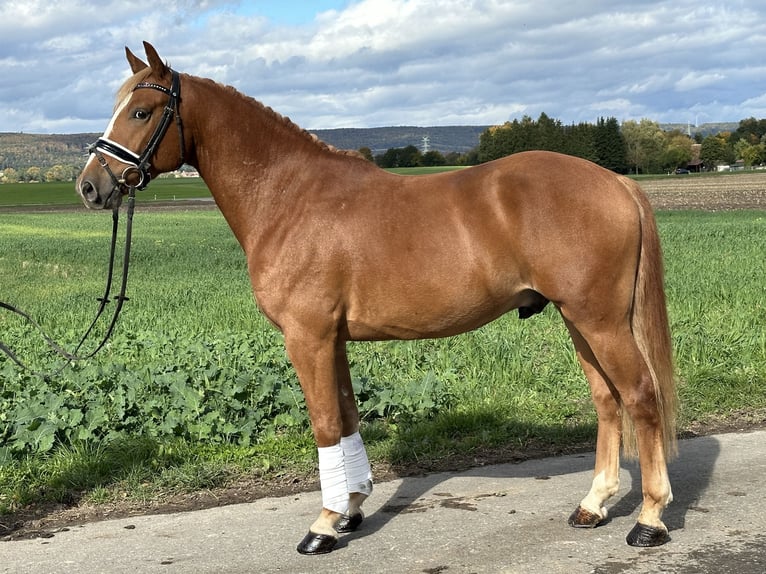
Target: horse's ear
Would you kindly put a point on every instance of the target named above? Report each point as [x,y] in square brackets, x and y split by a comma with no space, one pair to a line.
[136,64]
[155,62]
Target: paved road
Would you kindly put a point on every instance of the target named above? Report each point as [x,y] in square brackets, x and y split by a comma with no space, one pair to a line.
[507,518]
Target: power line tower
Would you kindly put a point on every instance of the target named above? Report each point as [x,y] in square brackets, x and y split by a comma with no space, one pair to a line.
[426,143]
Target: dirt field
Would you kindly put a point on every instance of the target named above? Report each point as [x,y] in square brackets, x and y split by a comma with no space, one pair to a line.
[745,190]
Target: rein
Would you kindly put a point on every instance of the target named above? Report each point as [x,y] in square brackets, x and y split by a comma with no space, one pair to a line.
[135,177]
[104,300]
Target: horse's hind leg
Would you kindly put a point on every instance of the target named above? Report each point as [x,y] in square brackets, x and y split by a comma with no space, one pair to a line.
[618,357]
[606,474]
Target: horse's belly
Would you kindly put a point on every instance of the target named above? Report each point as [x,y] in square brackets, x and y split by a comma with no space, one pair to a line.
[419,316]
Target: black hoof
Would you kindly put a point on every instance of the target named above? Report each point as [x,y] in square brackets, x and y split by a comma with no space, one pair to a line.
[314,543]
[644,536]
[348,523]
[582,518]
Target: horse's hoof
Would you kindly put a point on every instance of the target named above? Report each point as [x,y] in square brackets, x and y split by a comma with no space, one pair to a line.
[644,536]
[314,543]
[582,518]
[348,523]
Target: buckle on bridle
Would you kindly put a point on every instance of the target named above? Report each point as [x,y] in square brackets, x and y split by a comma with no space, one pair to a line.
[134,177]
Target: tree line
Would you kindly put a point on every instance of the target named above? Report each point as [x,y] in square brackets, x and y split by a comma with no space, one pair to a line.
[35,174]
[35,157]
[632,147]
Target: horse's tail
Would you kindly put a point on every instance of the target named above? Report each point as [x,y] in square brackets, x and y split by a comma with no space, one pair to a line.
[649,322]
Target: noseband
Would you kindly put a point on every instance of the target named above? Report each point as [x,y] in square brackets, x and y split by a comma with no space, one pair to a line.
[137,175]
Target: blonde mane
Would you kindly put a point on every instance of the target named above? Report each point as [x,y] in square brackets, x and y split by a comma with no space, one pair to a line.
[286,121]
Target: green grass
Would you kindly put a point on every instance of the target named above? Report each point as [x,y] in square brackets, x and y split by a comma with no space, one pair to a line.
[195,389]
[424,170]
[63,193]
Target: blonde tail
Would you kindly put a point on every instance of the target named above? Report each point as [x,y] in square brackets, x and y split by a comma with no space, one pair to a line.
[651,329]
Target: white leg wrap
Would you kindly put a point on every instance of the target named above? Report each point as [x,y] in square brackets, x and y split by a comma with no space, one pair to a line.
[332,479]
[358,473]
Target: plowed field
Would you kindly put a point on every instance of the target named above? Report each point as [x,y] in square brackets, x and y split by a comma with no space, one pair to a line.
[710,193]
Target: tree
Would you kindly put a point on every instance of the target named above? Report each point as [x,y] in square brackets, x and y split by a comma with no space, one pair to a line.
[10,175]
[59,173]
[644,143]
[388,159]
[399,157]
[33,174]
[750,130]
[454,158]
[547,133]
[715,150]
[603,144]
[678,150]
[579,140]
[432,158]
[409,156]
[609,145]
[751,154]
[366,153]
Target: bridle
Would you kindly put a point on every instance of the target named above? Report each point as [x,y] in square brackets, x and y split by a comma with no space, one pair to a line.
[135,177]
[137,174]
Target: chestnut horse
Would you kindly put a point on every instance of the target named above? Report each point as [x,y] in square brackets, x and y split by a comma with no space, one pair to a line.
[339,250]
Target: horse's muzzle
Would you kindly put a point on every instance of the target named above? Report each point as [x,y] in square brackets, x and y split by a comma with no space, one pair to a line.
[92,199]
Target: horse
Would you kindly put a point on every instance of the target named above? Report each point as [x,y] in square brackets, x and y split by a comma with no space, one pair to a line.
[340,250]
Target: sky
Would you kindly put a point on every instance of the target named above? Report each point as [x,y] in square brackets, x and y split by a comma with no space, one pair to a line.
[370,63]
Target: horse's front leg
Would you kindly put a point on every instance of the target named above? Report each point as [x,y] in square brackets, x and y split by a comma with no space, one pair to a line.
[356,463]
[344,470]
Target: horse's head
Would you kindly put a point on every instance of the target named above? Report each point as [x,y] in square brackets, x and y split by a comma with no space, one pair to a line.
[137,144]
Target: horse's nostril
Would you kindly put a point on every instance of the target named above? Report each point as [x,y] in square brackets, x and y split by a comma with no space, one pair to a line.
[89,193]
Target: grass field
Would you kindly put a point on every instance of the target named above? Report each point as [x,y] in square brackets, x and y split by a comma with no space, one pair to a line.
[195,392]
[63,193]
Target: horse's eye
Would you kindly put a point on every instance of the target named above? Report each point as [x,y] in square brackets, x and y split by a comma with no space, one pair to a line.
[140,115]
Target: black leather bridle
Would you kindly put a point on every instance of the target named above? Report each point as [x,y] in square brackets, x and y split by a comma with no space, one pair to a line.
[134,177]
[137,174]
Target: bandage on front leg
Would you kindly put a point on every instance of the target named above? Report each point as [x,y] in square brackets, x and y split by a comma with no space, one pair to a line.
[358,473]
[332,479]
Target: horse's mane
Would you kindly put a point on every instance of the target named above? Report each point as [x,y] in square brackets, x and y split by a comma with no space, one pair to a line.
[284,120]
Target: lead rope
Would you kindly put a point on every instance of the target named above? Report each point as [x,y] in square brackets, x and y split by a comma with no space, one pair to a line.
[120,298]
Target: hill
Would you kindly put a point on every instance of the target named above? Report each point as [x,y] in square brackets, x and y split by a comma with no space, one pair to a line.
[22,151]
[443,139]
[710,128]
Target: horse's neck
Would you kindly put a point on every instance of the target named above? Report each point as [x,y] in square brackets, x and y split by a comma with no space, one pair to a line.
[235,136]
[252,160]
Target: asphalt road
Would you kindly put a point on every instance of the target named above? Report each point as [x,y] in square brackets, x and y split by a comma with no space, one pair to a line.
[507,518]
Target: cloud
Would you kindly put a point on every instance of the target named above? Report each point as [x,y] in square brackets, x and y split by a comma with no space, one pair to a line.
[695,80]
[394,62]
